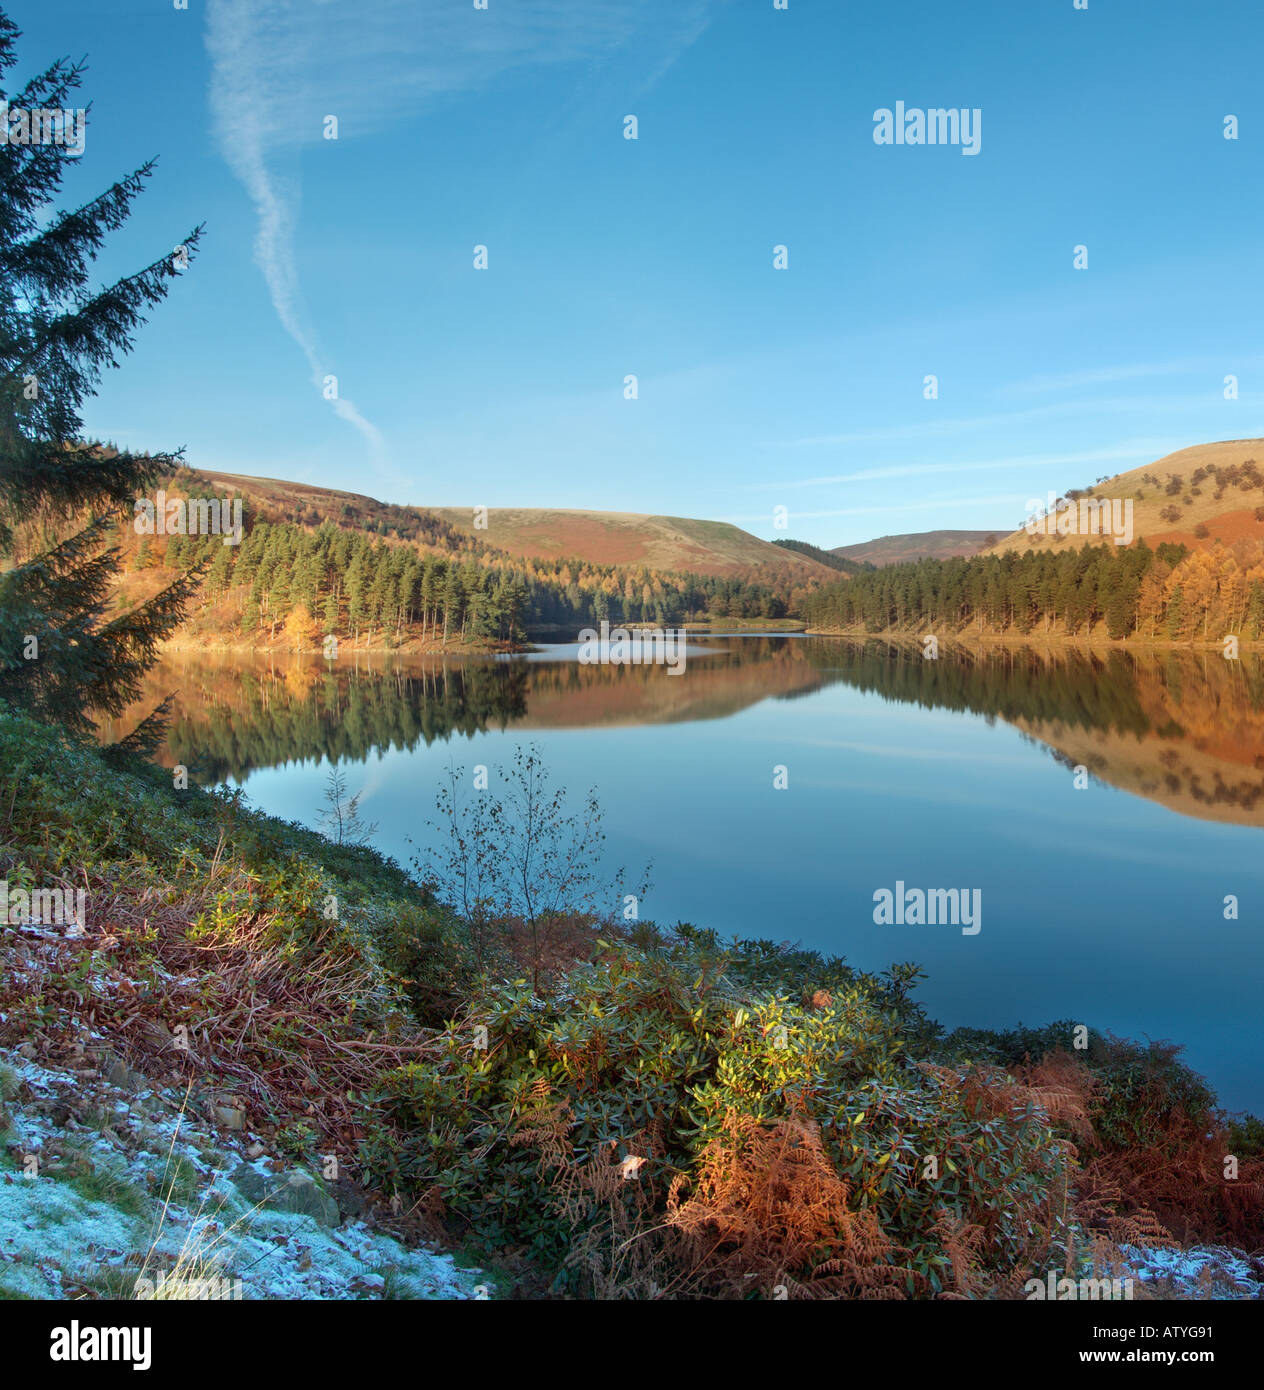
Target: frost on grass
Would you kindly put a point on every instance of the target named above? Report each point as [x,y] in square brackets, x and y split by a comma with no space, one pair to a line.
[143,1191]
[1197,1272]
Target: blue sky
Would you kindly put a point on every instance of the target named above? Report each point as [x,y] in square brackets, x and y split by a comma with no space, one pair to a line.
[758,388]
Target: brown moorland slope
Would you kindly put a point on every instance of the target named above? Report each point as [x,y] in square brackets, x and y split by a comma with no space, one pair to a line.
[632,538]
[678,544]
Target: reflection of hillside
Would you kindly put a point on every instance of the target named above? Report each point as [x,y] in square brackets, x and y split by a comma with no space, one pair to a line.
[230,716]
[567,695]
[1182,778]
[1203,753]
[1185,729]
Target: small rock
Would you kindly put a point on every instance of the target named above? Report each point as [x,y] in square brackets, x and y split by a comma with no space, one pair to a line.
[299,1193]
[351,1201]
[119,1074]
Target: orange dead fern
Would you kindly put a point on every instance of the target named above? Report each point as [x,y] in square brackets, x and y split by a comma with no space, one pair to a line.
[767,1213]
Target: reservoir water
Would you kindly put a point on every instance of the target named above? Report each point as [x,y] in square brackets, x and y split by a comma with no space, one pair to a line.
[1108,808]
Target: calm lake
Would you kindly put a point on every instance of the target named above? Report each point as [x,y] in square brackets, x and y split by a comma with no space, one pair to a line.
[1103,904]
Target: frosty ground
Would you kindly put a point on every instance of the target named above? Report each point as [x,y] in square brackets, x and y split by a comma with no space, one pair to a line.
[104,1187]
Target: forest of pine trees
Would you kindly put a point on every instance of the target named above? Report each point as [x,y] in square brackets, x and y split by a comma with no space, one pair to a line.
[826,557]
[305,581]
[1166,594]
[308,581]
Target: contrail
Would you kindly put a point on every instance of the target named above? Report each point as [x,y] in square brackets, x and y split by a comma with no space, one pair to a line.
[242,103]
[278,65]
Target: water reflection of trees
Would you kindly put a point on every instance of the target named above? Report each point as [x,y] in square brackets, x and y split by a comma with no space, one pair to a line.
[1192,723]
[1184,728]
[268,720]
[1110,690]
[1096,690]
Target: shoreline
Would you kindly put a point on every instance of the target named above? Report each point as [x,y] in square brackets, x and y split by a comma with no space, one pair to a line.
[186,646]
[355,1052]
[183,644]
[546,636]
[1004,639]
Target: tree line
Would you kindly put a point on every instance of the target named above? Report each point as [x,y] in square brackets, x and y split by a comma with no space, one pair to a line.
[1169,592]
[329,579]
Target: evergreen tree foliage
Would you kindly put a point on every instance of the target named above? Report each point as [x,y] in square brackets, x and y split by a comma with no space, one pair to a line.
[62,651]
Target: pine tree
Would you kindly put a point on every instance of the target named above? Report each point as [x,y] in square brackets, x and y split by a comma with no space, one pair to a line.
[61,653]
[306,579]
[251,615]
[221,571]
[1121,608]
[451,600]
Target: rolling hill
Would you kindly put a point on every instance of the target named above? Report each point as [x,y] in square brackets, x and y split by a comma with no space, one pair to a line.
[632,538]
[916,545]
[1195,496]
[678,544]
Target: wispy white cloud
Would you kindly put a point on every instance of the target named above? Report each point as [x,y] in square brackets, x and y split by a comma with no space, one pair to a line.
[1089,377]
[1016,499]
[909,470]
[939,426]
[248,110]
[279,67]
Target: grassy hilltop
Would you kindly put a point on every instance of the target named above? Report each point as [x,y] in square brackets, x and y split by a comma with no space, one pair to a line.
[1196,497]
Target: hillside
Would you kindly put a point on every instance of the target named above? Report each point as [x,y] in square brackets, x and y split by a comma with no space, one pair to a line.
[314,562]
[1194,497]
[825,557]
[125,1156]
[632,538]
[280,500]
[916,545]
[679,544]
